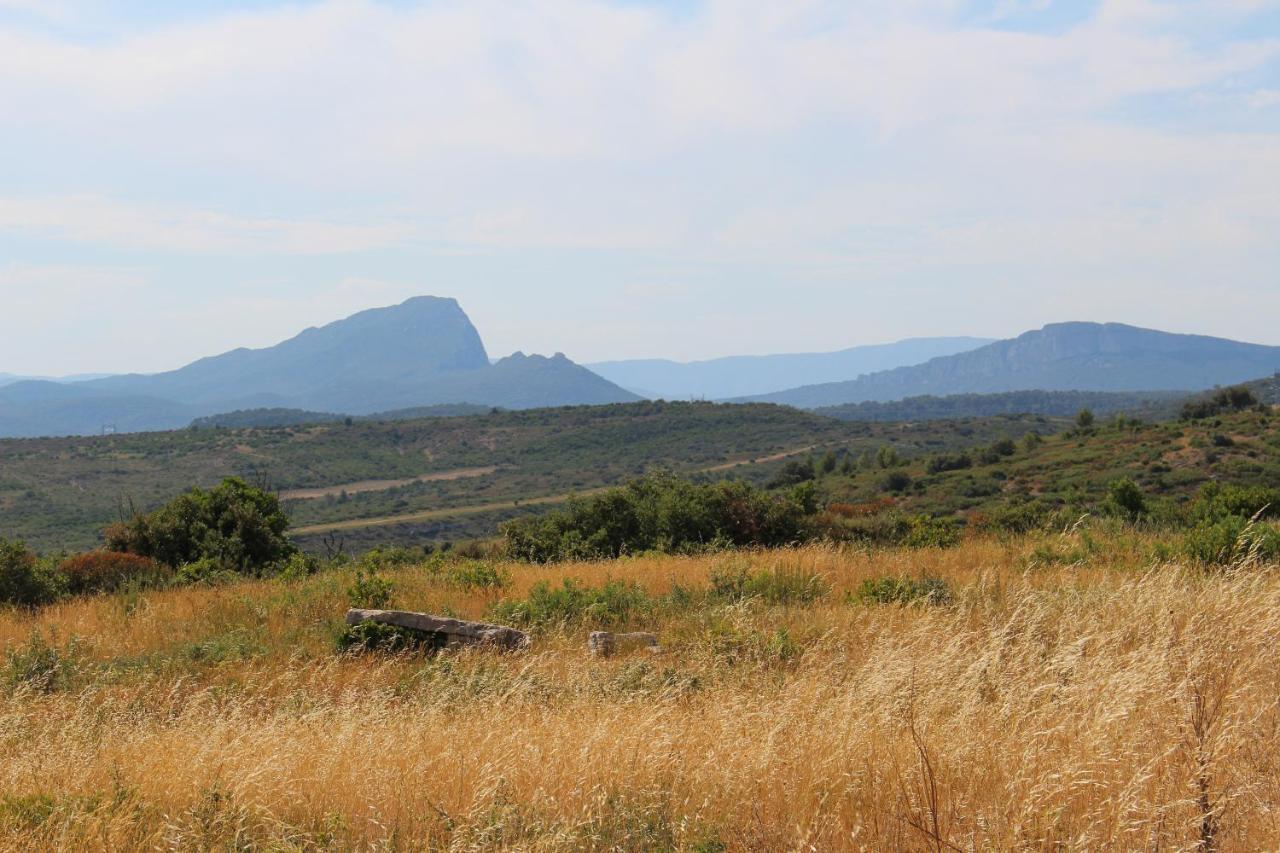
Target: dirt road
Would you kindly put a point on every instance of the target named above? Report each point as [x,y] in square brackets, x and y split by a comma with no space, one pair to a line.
[479,509]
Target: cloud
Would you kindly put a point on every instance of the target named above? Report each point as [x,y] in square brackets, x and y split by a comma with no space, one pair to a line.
[127,225]
[531,155]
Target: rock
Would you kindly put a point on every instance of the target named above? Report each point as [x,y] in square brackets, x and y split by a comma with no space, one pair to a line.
[455,631]
[603,643]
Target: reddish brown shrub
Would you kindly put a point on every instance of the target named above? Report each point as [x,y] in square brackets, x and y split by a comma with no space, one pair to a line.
[106,571]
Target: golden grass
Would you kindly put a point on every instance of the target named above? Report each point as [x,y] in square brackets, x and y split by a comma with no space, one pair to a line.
[1113,705]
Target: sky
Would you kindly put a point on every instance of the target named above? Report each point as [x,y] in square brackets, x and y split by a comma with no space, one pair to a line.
[620,178]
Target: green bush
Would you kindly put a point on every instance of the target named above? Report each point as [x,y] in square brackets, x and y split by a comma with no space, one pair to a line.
[615,604]
[1126,500]
[663,513]
[928,532]
[1216,502]
[1234,399]
[776,586]
[1231,540]
[26,580]
[890,590]
[895,481]
[370,590]
[948,462]
[39,666]
[474,574]
[237,525]
[370,636]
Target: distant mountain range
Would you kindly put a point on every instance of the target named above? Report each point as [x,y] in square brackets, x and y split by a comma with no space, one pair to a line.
[1059,357]
[740,376]
[10,379]
[424,352]
[1154,405]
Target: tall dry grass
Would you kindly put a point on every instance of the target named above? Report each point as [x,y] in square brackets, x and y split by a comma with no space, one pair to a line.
[1109,704]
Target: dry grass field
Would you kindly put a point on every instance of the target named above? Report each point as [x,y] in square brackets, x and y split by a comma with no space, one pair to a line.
[1056,701]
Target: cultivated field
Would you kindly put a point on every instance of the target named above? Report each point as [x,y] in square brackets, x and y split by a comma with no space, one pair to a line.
[1054,692]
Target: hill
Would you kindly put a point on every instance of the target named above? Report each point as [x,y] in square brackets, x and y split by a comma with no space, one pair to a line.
[423,352]
[740,376]
[434,478]
[267,418]
[1070,473]
[1059,357]
[1064,404]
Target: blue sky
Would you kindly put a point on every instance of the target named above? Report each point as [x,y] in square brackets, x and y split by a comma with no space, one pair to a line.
[626,179]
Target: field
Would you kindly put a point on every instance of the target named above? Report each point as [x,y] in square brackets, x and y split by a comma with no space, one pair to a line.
[59,492]
[1058,691]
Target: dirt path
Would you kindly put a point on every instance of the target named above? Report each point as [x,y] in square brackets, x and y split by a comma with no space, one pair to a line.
[479,509]
[382,485]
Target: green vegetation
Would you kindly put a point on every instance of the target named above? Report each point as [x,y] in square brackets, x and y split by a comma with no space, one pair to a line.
[237,526]
[1234,399]
[1063,404]
[662,513]
[58,493]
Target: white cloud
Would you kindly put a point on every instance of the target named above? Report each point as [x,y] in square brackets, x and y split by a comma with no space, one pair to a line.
[518,151]
[129,225]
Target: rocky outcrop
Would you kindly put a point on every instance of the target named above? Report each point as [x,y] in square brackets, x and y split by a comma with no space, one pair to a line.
[604,644]
[455,632]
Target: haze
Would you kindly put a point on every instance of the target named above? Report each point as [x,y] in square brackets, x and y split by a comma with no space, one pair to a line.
[630,179]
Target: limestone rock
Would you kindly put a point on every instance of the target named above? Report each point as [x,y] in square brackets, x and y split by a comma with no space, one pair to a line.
[455,631]
[604,643]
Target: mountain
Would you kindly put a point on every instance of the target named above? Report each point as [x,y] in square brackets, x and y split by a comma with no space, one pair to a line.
[424,352]
[33,408]
[744,375]
[1059,357]
[1144,404]
[10,378]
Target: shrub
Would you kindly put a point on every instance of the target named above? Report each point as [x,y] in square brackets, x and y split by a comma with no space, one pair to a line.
[928,532]
[1021,517]
[239,526]
[895,481]
[370,636]
[26,580]
[890,590]
[774,586]
[948,462]
[663,513]
[1126,500]
[1234,399]
[1231,540]
[1217,501]
[473,574]
[40,666]
[614,604]
[108,571]
[369,590]
[793,473]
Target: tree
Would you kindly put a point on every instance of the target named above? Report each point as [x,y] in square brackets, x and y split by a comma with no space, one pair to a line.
[1085,419]
[887,457]
[1126,499]
[829,462]
[236,525]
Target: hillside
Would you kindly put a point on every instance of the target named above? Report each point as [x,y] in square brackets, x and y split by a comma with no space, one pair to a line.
[1059,357]
[738,376]
[59,492]
[1071,472]
[423,352]
[1065,404]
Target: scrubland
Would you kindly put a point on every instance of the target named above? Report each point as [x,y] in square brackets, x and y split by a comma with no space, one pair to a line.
[1071,691]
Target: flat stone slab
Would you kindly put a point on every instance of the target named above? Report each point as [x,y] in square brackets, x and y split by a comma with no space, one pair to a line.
[604,643]
[456,631]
